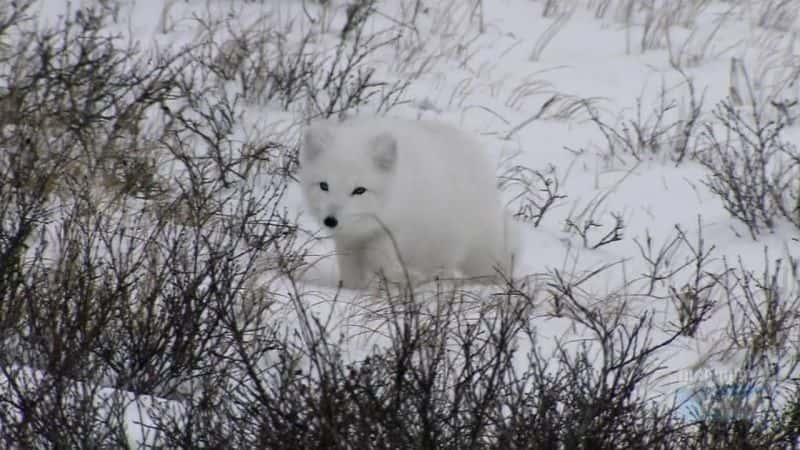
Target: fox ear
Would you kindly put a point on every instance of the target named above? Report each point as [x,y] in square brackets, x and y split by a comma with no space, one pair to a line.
[314,141]
[384,151]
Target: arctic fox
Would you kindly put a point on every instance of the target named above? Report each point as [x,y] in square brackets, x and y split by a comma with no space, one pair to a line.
[410,200]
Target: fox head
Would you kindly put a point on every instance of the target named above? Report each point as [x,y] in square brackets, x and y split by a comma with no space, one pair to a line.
[345,177]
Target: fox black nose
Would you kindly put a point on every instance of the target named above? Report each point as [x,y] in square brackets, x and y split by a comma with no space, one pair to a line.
[330,222]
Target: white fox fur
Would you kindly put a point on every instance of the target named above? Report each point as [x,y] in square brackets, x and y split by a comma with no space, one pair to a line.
[401,194]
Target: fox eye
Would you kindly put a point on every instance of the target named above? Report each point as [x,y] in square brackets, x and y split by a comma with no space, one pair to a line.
[359,190]
[324,186]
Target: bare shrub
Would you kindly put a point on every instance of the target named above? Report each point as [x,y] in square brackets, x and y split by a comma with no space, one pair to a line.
[653,18]
[743,410]
[606,370]
[781,15]
[557,106]
[550,32]
[753,170]
[680,270]
[133,286]
[694,49]
[669,128]
[275,62]
[762,306]
[149,293]
[583,228]
[447,378]
[695,300]
[583,220]
[538,191]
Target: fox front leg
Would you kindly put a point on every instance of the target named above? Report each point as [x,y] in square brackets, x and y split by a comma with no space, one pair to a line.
[352,270]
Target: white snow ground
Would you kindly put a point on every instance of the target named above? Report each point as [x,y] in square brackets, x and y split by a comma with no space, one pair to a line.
[490,69]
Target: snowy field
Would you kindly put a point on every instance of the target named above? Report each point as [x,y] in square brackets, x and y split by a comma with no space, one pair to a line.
[648,149]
